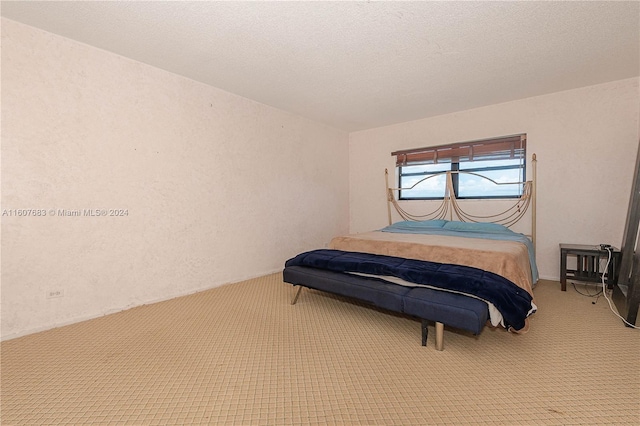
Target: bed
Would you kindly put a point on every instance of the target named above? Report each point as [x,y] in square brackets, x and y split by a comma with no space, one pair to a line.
[454,270]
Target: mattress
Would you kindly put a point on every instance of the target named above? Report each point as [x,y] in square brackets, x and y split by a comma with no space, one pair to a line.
[509,259]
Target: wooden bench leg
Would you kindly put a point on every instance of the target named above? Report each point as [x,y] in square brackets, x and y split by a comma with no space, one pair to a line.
[439,336]
[295,298]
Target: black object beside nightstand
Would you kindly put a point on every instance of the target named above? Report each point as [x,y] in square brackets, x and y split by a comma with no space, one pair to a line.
[588,264]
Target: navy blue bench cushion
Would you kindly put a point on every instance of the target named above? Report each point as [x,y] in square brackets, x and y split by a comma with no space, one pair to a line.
[371,290]
[455,310]
[514,303]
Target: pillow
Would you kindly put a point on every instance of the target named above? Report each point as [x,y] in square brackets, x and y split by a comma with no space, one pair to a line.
[437,223]
[413,227]
[493,228]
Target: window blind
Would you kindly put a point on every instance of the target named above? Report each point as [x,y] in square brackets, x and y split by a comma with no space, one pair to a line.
[502,148]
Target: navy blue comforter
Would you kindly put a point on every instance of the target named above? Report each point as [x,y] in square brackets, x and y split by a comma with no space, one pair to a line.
[514,303]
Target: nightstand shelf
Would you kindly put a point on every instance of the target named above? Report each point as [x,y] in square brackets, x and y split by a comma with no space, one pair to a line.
[588,259]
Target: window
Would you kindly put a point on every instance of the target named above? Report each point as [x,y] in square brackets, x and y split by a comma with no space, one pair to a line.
[499,159]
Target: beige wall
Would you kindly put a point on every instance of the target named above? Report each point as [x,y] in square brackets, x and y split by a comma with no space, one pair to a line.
[218,188]
[585,140]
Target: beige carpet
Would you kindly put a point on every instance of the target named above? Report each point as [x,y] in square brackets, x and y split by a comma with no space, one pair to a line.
[241,354]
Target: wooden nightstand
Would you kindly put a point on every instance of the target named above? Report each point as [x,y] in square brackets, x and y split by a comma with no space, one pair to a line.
[588,264]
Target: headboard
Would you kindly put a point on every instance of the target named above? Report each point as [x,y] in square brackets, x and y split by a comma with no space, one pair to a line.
[450,207]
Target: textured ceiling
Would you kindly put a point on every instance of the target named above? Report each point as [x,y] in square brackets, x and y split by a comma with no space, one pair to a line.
[358,65]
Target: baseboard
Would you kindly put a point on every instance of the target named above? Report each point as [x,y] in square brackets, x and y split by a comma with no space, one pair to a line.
[550,278]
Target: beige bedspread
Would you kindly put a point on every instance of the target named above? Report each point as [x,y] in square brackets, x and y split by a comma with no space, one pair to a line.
[509,259]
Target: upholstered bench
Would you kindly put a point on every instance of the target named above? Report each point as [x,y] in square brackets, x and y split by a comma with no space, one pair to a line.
[441,307]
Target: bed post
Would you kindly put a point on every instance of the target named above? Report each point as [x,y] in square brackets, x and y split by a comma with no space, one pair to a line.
[425,332]
[389,194]
[450,196]
[534,163]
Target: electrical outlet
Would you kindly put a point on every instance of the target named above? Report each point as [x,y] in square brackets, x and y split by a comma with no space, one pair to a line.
[52,294]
